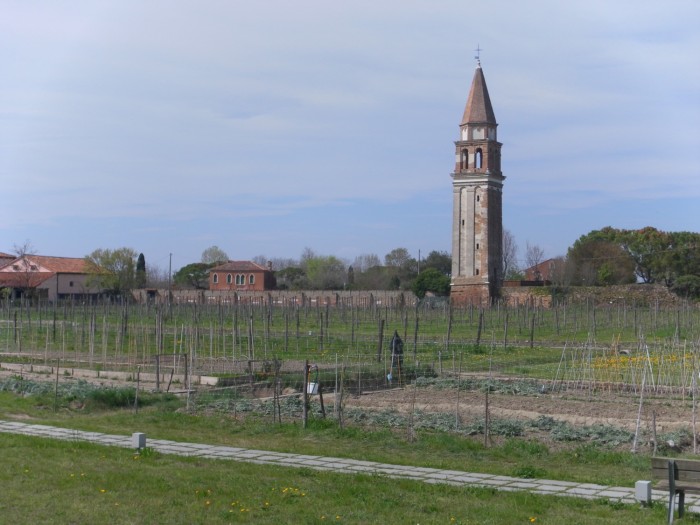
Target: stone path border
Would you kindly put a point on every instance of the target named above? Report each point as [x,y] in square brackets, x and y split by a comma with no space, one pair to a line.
[345,465]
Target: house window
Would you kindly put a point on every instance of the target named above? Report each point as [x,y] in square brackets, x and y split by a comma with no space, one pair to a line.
[216,278]
[240,279]
[229,279]
[70,284]
[251,279]
[477,271]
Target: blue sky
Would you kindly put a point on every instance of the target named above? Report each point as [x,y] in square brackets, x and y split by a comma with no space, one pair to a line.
[267,127]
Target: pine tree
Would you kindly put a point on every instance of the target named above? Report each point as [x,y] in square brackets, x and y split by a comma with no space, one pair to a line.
[141,271]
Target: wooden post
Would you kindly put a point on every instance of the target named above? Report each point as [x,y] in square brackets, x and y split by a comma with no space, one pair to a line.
[55,391]
[305,413]
[320,396]
[381,341]
[415,336]
[481,326]
[487,423]
[138,383]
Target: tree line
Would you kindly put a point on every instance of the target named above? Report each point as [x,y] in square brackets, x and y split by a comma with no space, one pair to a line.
[599,258]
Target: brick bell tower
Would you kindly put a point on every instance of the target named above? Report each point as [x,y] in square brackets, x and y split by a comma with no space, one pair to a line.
[477,217]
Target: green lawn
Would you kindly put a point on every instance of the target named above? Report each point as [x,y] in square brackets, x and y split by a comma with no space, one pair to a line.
[46,481]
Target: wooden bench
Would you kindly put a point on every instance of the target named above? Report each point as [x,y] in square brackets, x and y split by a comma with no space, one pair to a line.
[678,476]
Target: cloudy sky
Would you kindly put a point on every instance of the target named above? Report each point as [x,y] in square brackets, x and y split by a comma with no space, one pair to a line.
[266,127]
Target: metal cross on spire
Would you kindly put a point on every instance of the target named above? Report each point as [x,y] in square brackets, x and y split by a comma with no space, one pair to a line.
[478,53]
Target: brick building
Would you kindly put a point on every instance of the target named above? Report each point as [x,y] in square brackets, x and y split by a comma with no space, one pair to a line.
[477,184]
[241,276]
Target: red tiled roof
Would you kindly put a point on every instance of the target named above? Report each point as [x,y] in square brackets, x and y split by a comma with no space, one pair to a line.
[51,264]
[238,266]
[24,279]
[60,264]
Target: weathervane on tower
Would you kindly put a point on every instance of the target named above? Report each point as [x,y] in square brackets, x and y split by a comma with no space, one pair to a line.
[478,53]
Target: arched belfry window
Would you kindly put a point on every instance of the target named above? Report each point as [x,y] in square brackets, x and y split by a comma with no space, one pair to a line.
[465,159]
[478,159]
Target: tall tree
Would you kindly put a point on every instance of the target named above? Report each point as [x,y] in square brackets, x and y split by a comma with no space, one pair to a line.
[214,254]
[141,271]
[26,274]
[441,261]
[351,277]
[113,270]
[325,273]
[398,257]
[156,277]
[600,258]
[404,268]
[646,246]
[509,267]
[21,250]
[194,275]
[534,255]
[364,262]
[291,278]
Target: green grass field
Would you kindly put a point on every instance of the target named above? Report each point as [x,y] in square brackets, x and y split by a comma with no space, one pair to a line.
[74,482]
[47,481]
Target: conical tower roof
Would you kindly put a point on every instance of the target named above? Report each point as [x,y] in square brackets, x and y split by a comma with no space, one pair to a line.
[478,109]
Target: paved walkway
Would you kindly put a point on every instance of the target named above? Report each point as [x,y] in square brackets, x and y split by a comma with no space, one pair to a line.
[348,466]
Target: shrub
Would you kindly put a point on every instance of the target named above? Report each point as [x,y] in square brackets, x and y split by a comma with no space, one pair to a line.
[113,397]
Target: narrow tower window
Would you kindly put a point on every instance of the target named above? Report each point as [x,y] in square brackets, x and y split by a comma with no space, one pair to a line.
[465,159]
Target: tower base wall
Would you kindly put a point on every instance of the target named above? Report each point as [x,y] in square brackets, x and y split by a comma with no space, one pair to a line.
[465,292]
